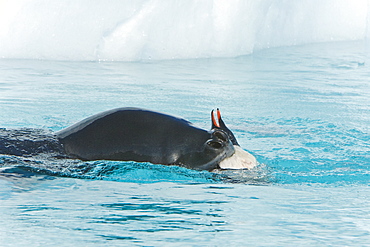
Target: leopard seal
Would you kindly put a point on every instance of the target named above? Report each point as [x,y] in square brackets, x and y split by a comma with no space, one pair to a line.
[134,134]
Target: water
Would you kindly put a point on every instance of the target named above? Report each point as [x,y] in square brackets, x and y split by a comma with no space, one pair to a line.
[67,212]
[303,111]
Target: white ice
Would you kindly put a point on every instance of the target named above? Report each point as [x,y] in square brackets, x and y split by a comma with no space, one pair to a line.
[132,30]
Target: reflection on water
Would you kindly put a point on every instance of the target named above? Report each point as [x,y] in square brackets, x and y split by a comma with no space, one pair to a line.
[164,215]
[122,211]
[154,214]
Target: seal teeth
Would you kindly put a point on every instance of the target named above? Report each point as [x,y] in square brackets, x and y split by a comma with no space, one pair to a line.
[214,120]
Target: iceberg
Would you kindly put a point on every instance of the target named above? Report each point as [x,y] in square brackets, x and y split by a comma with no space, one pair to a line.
[134,30]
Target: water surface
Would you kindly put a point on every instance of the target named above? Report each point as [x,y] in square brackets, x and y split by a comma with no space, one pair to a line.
[302,111]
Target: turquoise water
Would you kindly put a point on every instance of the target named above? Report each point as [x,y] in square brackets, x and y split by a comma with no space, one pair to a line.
[303,111]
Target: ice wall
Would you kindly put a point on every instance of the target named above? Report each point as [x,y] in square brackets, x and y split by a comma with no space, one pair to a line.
[129,30]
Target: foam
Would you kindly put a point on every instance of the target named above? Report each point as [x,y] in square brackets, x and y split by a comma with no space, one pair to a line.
[134,30]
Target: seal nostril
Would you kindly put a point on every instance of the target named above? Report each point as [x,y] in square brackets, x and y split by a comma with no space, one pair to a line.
[214,144]
[220,135]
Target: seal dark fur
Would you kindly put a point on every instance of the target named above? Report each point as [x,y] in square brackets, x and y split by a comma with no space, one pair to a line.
[133,134]
[145,136]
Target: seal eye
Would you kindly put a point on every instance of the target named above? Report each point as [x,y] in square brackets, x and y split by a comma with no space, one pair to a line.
[214,144]
[220,135]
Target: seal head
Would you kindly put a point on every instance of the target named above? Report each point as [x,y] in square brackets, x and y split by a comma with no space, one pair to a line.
[241,159]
